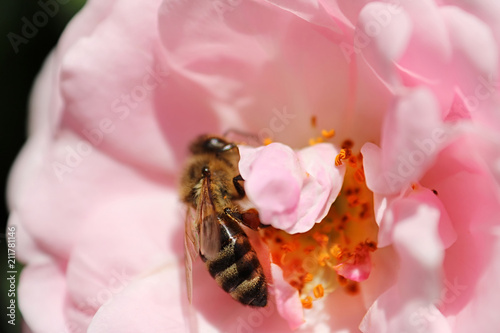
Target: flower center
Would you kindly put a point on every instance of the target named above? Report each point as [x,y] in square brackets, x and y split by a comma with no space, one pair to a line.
[335,252]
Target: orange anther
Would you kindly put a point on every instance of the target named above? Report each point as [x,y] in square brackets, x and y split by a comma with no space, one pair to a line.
[307,302]
[308,277]
[318,291]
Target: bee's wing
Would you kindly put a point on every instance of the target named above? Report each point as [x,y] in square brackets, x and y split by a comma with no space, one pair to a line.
[191,249]
[210,225]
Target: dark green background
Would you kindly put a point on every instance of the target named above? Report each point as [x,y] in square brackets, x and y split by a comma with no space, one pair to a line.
[17,72]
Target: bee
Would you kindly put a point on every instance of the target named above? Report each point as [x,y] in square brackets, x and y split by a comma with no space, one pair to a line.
[209,186]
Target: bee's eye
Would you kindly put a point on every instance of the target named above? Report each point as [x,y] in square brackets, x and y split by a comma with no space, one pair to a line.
[205,171]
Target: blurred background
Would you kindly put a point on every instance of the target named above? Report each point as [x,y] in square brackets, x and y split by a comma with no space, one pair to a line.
[22,52]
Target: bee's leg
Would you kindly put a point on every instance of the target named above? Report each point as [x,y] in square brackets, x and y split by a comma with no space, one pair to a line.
[238,187]
[251,219]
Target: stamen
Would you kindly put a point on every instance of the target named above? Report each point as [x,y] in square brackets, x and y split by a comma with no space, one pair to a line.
[328,134]
[313,141]
[318,291]
[313,121]
[307,302]
[345,153]
[267,141]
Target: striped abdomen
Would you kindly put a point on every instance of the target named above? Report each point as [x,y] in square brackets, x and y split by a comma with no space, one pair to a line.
[236,268]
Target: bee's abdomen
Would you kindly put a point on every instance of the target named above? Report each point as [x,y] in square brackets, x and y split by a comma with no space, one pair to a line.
[238,271]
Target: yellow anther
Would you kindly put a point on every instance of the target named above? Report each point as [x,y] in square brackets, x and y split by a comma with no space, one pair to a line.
[336,251]
[323,258]
[328,134]
[267,141]
[345,153]
[313,141]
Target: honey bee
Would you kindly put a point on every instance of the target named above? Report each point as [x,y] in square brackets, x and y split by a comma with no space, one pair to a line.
[210,184]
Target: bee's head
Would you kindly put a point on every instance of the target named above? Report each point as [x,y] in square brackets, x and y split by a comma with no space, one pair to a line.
[210,144]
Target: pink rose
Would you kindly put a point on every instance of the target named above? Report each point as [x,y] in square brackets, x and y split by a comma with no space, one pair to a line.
[388,224]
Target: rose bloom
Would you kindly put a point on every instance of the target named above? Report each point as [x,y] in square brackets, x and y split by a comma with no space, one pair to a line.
[373,155]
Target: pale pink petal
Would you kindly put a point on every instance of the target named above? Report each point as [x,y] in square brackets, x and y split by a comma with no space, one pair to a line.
[474,74]
[94,180]
[428,51]
[317,12]
[292,191]
[133,219]
[419,279]
[321,186]
[273,181]
[392,314]
[157,303]
[471,198]
[413,134]
[46,98]
[240,72]
[467,35]
[351,9]
[487,146]
[357,268]
[42,286]
[384,274]
[487,10]
[126,107]
[386,31]
[287,299]
[146,305]
[419,195]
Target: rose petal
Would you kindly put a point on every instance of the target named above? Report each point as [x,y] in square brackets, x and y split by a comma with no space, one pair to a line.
[42,286]
[386,31]
[127,312]
[357,268]
[413,135]
[107,117]
[316,12]
[273,180]
[287,299]
[248,84]
[471,269]
[292,191]
[419,280]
